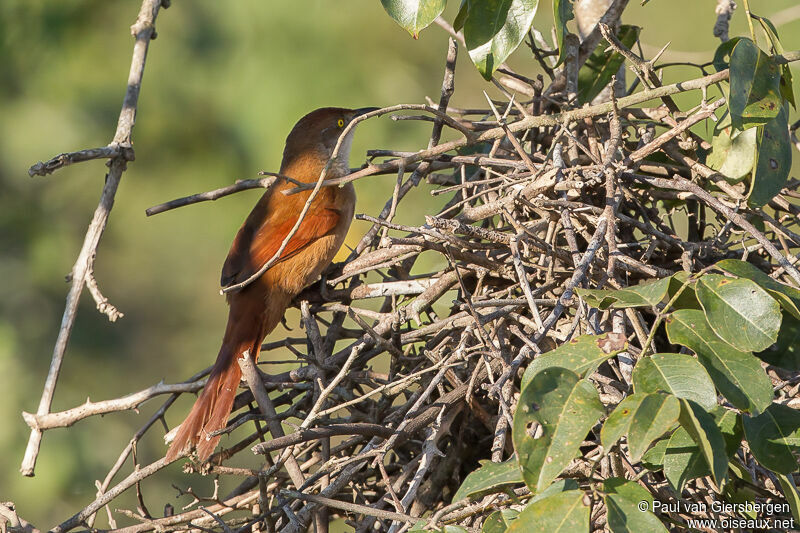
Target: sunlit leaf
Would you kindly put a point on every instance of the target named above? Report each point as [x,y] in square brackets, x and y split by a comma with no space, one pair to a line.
[739,311]
[733,152]
[737,375]
[489,477]
[645,294]
[643,418]
[679,374]
[787,296]
[582,355]
[564,512]
[554,414]
[414,15]
[495,28]
[683,461]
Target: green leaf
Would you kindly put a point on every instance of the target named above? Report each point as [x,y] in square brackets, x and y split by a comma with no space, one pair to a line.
[565,512]
[653,459]
[722,56]
[489,477]
[461,16]
[785,353]
[499,521]
[565,409]
[562,13]
[733,152]
[560,485]
[414,15]
[645,294]
[773,436]
[644,418]
[582,355]
[704,431]
[791,494]
[755,86]
[687,299]
[777,48]
[773,159]
[598,70]
[737,375]
[730,425]
[676,373]
[494,29]
[683,460]
[739,311]
[623,499]
[787,296]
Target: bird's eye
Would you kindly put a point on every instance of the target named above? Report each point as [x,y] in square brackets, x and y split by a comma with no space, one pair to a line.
[340,123]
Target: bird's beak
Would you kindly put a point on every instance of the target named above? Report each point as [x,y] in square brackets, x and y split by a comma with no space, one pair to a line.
[364,110]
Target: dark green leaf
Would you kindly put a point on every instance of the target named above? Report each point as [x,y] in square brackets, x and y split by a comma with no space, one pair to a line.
[565,512]
[414,15]
[645,294]
[737,375]
[679,374]
[739,311]
[755,86]
[494,29]
[687,299]
[644,418]
[773,159]
[701,427]
[722,56]
[777,48]
[499,521]
[787,296]
[786,352]
[554,414]
[562,13]
[730,425]
[560,485]
[773,436]
[461,16]
[653,459]
[582,355]
[489,477]
[790,493]
[596,73]
[683,460]
[623,499]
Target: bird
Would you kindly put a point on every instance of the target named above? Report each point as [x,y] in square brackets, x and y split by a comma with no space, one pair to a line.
[256,309]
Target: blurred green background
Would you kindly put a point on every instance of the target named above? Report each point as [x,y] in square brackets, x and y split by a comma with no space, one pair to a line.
[224,83]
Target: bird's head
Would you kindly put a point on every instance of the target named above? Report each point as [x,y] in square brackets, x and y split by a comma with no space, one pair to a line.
[316,134]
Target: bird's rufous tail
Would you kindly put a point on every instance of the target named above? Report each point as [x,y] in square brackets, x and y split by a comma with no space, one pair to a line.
[210,411]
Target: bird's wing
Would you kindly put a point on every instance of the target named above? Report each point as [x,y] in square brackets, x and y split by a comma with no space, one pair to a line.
[252,249]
